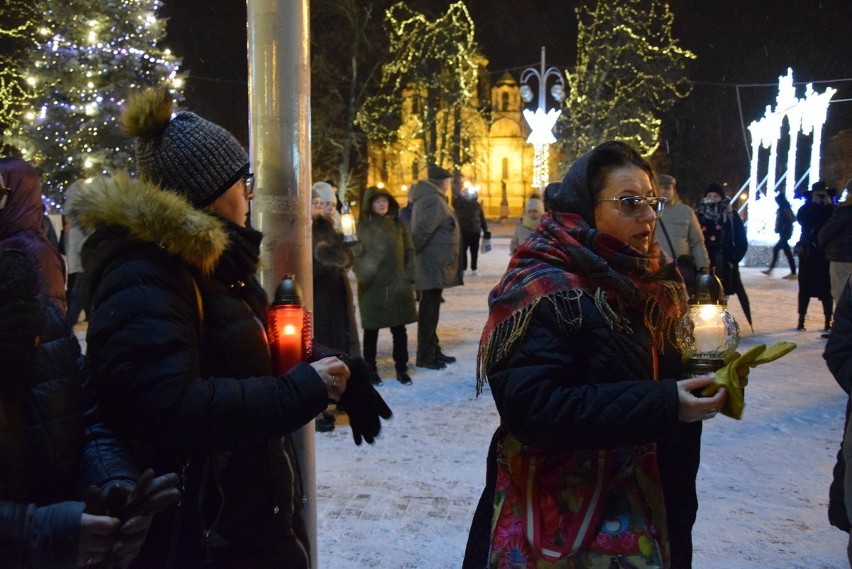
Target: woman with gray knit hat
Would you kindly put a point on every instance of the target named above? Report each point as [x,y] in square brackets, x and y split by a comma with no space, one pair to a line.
[595,459]
[177,350]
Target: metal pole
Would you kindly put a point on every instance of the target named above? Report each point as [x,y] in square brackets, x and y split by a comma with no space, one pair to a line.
[279,139]
[542,100]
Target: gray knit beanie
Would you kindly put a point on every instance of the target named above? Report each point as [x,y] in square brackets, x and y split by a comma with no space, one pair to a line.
[182,152]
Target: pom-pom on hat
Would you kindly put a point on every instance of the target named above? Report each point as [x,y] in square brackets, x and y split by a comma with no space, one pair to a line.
[437,173]
[182,152]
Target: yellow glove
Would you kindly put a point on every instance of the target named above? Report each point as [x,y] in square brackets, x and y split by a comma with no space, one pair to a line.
[734,375]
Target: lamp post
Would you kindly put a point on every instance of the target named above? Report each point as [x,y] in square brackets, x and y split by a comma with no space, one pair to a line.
[541,121]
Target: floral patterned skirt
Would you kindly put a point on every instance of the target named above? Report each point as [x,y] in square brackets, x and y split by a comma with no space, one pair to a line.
[586,510]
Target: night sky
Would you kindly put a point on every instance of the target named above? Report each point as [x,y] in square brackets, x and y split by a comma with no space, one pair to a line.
[749,43]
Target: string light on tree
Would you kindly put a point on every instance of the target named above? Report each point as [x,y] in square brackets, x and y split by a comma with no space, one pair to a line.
[89,56]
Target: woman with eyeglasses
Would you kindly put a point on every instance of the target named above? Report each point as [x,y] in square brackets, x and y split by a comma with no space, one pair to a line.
[177,348]
[595,459]
[21,218]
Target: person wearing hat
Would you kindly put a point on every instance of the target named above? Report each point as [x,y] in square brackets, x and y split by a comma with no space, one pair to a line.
[533,210]
[177,351]
[679,233]
[436,237]
[835,239]
[724,237]
[580,355]
[784,220]
[814,276]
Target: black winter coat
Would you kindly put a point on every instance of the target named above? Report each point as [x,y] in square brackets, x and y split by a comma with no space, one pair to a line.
[838,357]
[814,279]
[46,460]
[184,376]
[558,391]
[334,307]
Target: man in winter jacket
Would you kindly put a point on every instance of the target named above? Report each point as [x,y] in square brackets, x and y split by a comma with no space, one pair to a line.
[678,231]
[835,240]
[472,223]
[436,237]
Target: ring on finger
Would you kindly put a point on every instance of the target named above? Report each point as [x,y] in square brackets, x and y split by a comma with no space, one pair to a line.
[710,414]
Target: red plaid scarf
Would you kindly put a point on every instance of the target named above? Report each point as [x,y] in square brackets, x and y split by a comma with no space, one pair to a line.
[566,258]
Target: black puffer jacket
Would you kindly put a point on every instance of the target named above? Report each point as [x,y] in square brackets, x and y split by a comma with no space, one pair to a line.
[42,440]
[184,375]
[596,402]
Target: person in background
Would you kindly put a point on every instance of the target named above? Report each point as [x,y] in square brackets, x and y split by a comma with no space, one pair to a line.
[177,350]
[533,210]
[472,224]
[814,279]
[679,233]
[838,357]
[384,266]
[724,237]
[46,457]
[74,238]
[21,226]
[784,219]
[595,459]
[436,238]
[835,240]
[334,308]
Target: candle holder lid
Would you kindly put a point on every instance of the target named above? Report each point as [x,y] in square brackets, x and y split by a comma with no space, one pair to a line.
[288,292]
[708,288]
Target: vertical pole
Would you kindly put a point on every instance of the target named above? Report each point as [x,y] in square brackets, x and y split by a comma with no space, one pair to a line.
[279,139]
[542,100]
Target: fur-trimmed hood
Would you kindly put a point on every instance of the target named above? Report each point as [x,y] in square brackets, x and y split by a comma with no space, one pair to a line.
[151,215]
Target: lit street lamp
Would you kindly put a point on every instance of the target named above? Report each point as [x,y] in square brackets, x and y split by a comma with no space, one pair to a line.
[542,121]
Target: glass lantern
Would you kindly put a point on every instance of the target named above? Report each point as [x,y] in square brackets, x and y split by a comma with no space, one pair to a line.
[707,332]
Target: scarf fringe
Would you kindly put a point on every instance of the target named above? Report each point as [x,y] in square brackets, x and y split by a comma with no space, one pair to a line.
[569,314]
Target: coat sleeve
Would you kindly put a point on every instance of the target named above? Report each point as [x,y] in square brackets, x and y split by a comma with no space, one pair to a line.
[425,221]
[838,349]
[144,352]
[33,536]
[696,241]
[408,249]
[832,227]
[545,399]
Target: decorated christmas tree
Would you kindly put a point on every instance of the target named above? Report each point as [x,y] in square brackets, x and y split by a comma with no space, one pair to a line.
[88,56]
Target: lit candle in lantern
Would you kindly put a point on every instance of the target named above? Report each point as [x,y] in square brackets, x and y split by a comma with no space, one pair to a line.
[289,326]
[347,224]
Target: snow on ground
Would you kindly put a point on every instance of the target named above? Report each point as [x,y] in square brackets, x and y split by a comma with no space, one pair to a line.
[407,501]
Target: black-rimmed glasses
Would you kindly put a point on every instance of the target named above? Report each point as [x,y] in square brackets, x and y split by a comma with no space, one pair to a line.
[632,206]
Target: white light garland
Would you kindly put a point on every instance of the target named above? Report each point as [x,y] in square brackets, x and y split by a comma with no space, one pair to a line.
[805,115]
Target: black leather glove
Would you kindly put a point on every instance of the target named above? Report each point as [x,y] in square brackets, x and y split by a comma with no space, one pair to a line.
[363,403]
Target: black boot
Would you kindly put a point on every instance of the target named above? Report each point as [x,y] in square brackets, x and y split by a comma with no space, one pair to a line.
[801,325]
[402,375]
[374,376]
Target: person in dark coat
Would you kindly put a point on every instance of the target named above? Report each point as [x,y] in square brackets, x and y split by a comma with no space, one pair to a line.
[437,243]
[578,351]
[814,279]
[334,306]
[47,460]
[838,357]
[472,224]
[384,266]
[835,240]
[177,349]
[21,226]
[784,219]
[726,241]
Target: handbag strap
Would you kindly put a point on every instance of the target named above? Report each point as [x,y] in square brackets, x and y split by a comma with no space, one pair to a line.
[666,233]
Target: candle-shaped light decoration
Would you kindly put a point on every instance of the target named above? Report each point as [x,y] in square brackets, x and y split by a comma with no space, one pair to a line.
[347,224]
[707,332]
[289,326]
